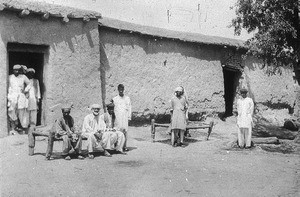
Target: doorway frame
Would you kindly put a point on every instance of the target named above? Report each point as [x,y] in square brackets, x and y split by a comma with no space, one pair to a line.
[238,73]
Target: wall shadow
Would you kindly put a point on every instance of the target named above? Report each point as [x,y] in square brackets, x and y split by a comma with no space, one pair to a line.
[104,66]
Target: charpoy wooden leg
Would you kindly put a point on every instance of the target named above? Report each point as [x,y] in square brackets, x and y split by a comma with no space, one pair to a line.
[172,137]
[211,125]
[50,144]
[152,130]
[31,140]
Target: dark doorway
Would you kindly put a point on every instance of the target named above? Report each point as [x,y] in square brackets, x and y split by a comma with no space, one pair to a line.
[32,56]
[231,82]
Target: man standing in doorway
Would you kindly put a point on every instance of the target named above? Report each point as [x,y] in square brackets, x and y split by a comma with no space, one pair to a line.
[34,96]
[245,107]
[122,112]
[17,102]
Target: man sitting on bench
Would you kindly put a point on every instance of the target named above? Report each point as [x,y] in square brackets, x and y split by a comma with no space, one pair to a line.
[93,129]
[64,129]
[119,137]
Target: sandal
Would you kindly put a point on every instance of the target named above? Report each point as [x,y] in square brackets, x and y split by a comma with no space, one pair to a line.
[91,156]
[48,158]
[182,144]
[67,158]
[107,154]
[126,149]
[80,157]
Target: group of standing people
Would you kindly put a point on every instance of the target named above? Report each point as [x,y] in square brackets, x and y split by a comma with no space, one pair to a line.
[179,117]
[23,98]
[103,132]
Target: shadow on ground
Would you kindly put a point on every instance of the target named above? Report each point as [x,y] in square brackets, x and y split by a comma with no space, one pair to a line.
[58,155]
[285,147]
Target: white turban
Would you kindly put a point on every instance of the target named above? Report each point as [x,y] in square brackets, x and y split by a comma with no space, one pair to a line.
[179,89]
[31,70]
[24,67]
[95,106]
[17,66]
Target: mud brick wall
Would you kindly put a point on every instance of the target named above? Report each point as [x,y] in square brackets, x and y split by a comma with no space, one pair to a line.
[71,67]
[151,67]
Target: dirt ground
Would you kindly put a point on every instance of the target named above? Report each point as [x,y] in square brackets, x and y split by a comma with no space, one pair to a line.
[203,168]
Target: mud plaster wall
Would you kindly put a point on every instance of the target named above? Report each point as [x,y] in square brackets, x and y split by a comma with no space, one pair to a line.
[152,68]
[72,65]
[275,91]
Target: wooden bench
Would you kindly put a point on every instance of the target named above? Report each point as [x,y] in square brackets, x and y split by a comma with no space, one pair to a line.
[208,126]
[45,131]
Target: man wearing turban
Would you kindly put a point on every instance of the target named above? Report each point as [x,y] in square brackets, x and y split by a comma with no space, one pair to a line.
[64,129]
[178,110]
[93,129]
[245,107]
[17,102]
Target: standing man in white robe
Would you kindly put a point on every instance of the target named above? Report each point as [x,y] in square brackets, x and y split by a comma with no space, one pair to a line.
[34,96]
[122,111]
[179,106]
[93,129]
[17,102]
[245,108]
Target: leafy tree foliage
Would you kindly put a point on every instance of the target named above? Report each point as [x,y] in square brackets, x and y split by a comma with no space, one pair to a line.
[276,28]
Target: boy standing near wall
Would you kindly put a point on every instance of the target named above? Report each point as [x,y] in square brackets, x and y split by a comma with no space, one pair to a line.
[122,111]
[245,107]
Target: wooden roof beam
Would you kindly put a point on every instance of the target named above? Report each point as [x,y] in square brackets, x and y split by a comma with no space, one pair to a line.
[45,16]
[86,19]
[65,19]
[24,13]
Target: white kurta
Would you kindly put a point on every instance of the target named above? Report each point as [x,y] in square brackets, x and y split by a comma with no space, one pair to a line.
[17,101]
[33,93]
[122,111]
[179,106]
[109,141]
[245,107]
[92,124]
[16,90]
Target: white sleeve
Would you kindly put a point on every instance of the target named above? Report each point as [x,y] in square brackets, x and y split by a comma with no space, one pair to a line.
[129,109]
[38,90]
[251,107]
[238,107]
[102,124]
[86,128]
